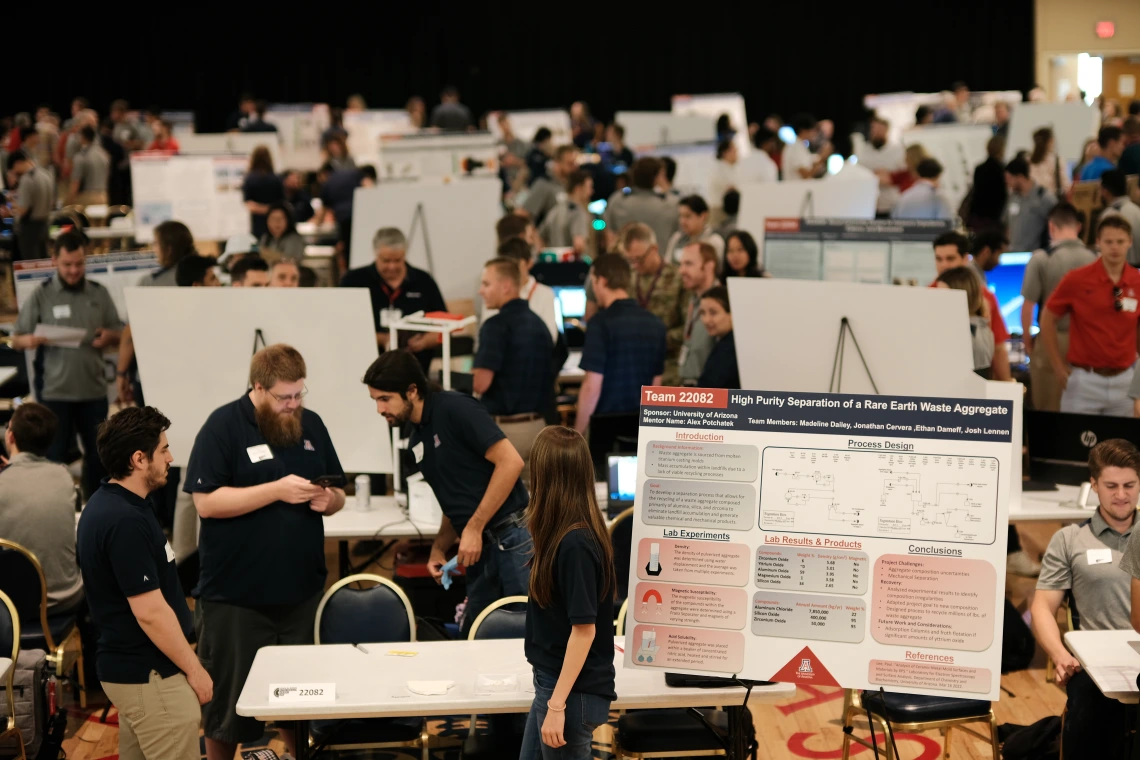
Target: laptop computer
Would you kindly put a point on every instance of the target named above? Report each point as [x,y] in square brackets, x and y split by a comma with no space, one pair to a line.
[621,478]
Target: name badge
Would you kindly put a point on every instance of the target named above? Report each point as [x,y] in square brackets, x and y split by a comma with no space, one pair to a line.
[259,453]
[418,451]
[61,311]
[169,553]
[1014,209]
[389,317]
[1099,556]
[1128,304]
[295,693]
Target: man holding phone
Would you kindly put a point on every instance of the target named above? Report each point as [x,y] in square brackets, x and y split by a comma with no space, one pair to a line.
[263,471]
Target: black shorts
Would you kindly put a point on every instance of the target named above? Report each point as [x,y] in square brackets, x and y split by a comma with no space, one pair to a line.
[228,638]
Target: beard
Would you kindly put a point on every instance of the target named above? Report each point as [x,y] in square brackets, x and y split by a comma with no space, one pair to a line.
[156,479]
[281,430]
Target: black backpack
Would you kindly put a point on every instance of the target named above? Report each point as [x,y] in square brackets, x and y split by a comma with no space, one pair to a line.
[1039,741]
[41,730]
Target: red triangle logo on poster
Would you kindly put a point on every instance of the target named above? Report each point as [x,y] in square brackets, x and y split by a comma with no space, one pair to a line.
[805,667]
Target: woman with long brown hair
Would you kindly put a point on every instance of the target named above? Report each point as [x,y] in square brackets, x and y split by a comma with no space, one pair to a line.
[260,189]
[571,610]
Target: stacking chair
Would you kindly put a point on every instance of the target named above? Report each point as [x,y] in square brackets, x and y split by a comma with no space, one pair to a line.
[378,614]
[22,578]
[505,619]
[10,647]
[621,536]
[914,714]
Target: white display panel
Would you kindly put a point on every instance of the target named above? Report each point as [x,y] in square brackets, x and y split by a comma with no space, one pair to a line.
[202,192]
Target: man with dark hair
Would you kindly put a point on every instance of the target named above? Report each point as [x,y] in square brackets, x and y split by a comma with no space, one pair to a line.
[545,191]
[516,226]
[1043,273]
[886,159]
[1111,142]
[32,205]
[125,132]
[258,123]
[474,471]
[251,474]
[923,115]
[250,271]
[642,203]
[1101,300]
[1027,208]
[451,115]
[72,382]
[568,224]
[245,111]
[923,200]
[197,271]
[144,660]
[1130,158]
[693,227]
[37,504]
[615,136]
[1092,562]
[1114,193]
[986,251]
[90,170]
[541,151]
[625,345]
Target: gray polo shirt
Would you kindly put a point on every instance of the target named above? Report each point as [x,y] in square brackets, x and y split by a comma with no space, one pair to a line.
[37,511]
[544,195]
[1101,586]
[90,169]
[698,344]
[643,206]
[1131,212]
[71,374]
[1047,268]
[563,222]
[1027,217]
[35,194]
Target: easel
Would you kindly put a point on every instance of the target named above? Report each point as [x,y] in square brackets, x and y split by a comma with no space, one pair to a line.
[845,329]
[419,215]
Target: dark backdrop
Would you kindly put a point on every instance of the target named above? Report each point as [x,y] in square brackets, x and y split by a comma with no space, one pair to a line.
[784,57]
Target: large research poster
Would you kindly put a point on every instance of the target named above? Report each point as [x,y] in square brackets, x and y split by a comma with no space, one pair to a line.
[824,539]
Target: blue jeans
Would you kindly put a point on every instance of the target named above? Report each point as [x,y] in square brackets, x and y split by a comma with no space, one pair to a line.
[502,569]
[584,713]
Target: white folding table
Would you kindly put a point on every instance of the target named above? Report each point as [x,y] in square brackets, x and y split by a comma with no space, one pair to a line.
[1050,505]
[1110,661]
[385,520]
[373,684]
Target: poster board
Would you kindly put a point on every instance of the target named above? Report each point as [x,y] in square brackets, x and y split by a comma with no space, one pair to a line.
[853,250]
[114,271]
[648,129]
[433,156]
[525,123]
[365,128]
[821,539]
[457,218]
[175,328]
[851,196]
[299,127]
[714,105]
[695,164]
[959,148]
[235,143]
[1072,122]
[203,192]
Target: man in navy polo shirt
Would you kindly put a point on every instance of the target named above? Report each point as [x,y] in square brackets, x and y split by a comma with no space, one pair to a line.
[397,290]
[473,470]
[144,660]
[262,540]
[625,346]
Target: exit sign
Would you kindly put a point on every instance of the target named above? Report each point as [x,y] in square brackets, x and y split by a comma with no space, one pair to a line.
[1105,29]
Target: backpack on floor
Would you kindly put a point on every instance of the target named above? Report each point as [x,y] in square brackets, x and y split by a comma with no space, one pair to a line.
[30,691]
[1039,741]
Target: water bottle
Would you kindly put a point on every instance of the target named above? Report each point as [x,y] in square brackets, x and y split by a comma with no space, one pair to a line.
[363,492]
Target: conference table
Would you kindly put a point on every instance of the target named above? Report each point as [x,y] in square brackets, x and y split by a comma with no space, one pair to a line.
[1110,660]
[1050,505]
[374,683]
[385,520]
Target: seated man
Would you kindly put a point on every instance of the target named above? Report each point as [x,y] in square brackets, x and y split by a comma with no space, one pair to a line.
[1085,561]
[37,504]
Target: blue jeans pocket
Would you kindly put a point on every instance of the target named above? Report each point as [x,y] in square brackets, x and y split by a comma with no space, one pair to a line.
[515,540]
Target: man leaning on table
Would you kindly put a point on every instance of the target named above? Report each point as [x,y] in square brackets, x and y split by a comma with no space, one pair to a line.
[262,542]
[1084,562]
[474,472]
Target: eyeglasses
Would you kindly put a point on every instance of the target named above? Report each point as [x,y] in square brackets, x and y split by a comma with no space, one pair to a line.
[292,397]
[1118,298]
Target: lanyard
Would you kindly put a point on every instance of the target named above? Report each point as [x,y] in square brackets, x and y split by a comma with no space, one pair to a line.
[644,300]
[533,287]
[392,294]
[690,318]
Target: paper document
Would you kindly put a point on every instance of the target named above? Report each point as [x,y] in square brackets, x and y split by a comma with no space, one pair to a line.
[1114,679]
[61,337]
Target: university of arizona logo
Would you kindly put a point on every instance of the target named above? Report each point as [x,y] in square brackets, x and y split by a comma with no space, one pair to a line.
[805,666]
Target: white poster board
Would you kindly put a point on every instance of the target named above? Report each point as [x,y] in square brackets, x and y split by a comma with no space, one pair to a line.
[365,128]
[457,218]
[235,143]
[525,123]
[194,347]
[695,164]
[715,105]
[299,128]
[648,129]
[434,156]
[959,148]
[821,539]
[202,192]
[114,271]
[1072,123]
[851,196]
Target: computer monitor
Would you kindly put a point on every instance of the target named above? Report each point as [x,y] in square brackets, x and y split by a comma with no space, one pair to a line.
[622,482]
[1059,443]
[572,300]
[1004,281]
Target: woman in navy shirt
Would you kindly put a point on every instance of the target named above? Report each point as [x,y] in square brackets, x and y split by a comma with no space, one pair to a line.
[720,368]
[570,616]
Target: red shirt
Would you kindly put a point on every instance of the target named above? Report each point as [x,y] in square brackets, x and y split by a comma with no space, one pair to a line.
[170,145]
[1099,335]
[997,321]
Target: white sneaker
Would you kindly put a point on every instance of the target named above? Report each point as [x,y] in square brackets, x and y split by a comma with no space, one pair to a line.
[1020,563]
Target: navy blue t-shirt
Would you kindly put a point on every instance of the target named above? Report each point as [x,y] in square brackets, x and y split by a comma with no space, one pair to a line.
[720,369]
[580,598]
[450,449]
[339,189]
[122,552]
[270,556]
[261,187]
[515,344]
[626,344]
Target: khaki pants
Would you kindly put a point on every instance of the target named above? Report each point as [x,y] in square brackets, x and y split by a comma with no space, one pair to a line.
[1044,386]
[522,435]
[158,720]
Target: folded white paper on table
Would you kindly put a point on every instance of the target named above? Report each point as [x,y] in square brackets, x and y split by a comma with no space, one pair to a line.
[61,337]
[430,688]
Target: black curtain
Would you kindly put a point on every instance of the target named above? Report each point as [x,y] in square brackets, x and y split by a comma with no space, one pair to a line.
[820,57]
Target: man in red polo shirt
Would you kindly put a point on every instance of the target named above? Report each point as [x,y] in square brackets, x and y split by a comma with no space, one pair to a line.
[950,252]
[1101,300]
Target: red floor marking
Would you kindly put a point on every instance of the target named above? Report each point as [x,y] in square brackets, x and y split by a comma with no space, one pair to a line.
[797,742]
[818,697]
